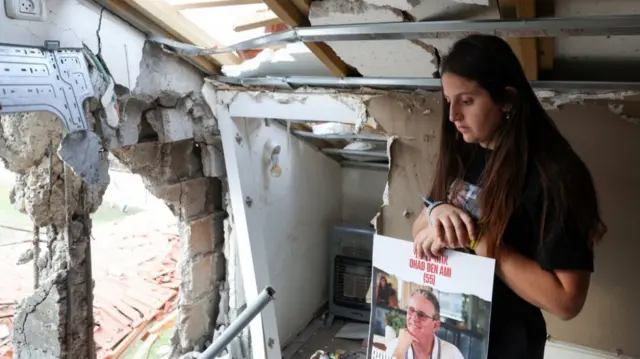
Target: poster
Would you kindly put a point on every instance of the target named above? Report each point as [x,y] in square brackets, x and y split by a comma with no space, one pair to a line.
[437,309]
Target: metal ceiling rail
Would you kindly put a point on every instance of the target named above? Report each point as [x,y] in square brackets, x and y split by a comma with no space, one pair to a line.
[407,83]
[370,165]
[344,152]
[538,27]
[342,136]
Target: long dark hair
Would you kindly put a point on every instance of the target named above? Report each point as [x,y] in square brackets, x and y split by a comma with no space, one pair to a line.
[526,139]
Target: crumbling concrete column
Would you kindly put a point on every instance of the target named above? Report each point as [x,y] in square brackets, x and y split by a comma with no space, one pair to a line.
[167,134]
[202,267]
[173,172]
[57,320]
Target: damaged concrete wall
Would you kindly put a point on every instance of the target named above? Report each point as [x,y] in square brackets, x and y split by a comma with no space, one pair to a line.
[55,199]
[605,133]
[414,123]
[163,121]
[169,136]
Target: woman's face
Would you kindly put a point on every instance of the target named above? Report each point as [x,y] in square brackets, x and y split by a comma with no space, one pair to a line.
[383,281]
[471,109]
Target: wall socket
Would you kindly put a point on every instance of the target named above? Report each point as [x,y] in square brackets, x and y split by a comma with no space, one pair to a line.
[33,10]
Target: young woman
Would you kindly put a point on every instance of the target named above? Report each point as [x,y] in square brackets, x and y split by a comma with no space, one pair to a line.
[386,293]
[507,178]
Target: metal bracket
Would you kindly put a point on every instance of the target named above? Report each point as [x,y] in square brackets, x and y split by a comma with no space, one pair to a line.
[56,81]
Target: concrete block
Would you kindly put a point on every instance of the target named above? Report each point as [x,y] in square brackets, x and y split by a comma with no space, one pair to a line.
[163,74]
[197,277]
[195,321]
[172,124]
[161,163]
[213,164]
[436,10]
[386,58]
[197,237]
[195,197]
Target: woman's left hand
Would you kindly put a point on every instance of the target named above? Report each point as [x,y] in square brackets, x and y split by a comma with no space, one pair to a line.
[428,244]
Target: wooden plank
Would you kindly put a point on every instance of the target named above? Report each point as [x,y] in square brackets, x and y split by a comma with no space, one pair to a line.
[546,45]
[143,351]
[526,49]
[126,342]
[167,322]
[106,309]
[214,3]
[257,20]
[288,12]
[291,15]
[140,21]
[170,19]
[303,6]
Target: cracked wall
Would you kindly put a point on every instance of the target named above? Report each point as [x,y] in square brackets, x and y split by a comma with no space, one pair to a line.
[78,22]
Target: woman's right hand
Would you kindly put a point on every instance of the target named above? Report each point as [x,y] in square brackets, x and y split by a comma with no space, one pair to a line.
[453,225]
[427,244]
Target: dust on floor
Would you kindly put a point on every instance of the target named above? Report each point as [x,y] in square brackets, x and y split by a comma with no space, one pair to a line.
[318,336]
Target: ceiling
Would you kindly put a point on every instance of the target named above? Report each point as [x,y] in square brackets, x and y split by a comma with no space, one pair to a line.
[570,58]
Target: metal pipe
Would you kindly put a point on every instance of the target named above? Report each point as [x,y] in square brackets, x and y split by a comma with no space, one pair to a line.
[409,83]
[328,81]
[341,151]
[342,136]
[538,27]
[264,298]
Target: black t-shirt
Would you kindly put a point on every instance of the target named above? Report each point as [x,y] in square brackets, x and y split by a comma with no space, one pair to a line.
[518,329]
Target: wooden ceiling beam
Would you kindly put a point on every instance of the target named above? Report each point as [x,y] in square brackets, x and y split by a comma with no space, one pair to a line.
[546,45]
[257,20]
[213,3]
[295,14]
[170,19]
[526,48]
[303,6]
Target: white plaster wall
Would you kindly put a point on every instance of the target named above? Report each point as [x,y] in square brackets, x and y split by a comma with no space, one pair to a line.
[294,213]
[598,47]
[362,191]
[74,22]
[559,350]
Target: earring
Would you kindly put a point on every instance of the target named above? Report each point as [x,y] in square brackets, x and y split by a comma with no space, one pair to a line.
[508,114]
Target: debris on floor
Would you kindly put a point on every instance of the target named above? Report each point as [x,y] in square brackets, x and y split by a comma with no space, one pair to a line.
[353,330]
[136,284]
[318,341]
